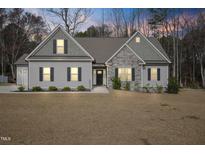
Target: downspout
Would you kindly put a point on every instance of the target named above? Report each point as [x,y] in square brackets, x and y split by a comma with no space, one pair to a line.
[142,76]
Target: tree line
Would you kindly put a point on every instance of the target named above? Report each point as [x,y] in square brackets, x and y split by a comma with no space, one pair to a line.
[181,34]
[20,32]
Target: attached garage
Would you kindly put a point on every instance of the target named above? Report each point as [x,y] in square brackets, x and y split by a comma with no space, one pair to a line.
[22,72]
[22,76]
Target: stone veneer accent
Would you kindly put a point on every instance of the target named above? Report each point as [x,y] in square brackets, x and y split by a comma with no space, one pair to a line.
[124,58]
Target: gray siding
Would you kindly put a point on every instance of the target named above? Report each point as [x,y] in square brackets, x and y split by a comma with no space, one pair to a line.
[145,50]
[163,76]
[124,58]
[60,74]
[73,48]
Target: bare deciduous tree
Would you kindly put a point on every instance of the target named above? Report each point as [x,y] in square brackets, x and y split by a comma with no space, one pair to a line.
[125,22]
[21,27]
[71,18]
[116,17]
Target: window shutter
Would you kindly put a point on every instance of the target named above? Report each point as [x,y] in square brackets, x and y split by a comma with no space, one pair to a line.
[54,46]
[65,46]
[133,74]
[158,74]
[116,72]
[68,74]
[79,74]
[41,74]
[52,74]
[149,74]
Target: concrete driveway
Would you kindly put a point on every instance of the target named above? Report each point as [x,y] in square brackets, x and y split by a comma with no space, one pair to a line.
[7,87]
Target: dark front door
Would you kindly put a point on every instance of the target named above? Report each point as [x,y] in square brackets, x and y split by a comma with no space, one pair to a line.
[99,77]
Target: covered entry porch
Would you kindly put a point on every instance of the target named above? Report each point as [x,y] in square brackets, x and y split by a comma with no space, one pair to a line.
[99,75]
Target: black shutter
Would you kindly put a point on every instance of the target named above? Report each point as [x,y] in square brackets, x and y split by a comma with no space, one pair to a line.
[54,46]
[133,74]
[65,46]
[52,74]
[68,74]
[116,72]
[79,74]
[41,74]
[158,74]
[149,74]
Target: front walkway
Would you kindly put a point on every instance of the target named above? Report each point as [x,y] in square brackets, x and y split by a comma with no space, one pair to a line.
[100,89]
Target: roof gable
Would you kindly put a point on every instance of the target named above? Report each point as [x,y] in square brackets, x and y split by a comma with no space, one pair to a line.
[145,49]
[129,49]
[157,44]
[125,56]
[45,49]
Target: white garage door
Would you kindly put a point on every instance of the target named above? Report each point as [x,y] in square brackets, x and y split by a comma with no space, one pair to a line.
[22,76]
[25,78]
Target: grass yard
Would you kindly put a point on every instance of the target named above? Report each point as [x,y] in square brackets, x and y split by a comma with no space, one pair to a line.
[117,118]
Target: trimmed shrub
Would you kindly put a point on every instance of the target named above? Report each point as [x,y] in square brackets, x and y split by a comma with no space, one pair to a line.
[194,85]
[66,89]
[127,86]
[173,86]
[52,88]
[116,83]
[159,88]
[147,88]
[81,88]
[137,87]
[21,88]
[37,88]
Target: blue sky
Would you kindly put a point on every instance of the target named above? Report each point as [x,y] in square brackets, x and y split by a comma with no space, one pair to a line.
[96,17]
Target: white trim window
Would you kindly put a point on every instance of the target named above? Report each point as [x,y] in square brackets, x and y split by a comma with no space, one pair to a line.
[60,46]
[74,73]
[137,39]
[46,74]
[154,74]
[125,74]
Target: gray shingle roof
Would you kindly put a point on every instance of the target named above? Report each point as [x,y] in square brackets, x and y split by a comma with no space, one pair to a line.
[157,44]
[21,60]
[103,48]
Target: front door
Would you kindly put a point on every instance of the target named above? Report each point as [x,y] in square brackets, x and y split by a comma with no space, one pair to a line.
[99,77]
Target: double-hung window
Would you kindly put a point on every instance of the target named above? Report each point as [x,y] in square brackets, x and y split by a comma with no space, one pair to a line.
[46,74]
[154,74]
[60,46]
[74,73]
[125,74]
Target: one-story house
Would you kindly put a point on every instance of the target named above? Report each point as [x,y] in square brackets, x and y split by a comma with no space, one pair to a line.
[62,60]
